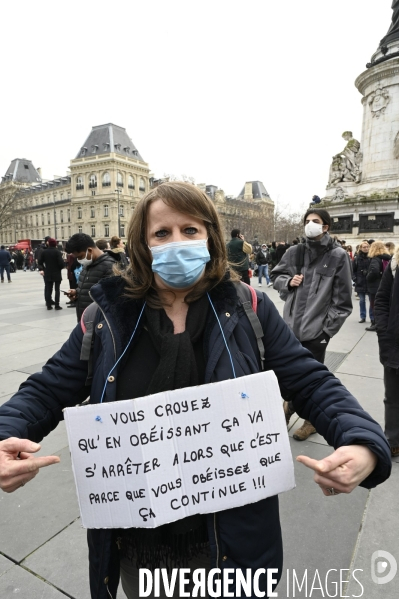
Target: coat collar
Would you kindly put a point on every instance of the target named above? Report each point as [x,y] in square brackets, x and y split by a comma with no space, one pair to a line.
[122,311]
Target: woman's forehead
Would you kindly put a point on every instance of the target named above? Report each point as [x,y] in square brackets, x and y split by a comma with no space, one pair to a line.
[159,211]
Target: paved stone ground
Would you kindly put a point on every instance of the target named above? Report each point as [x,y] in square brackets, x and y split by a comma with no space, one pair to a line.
[42,545]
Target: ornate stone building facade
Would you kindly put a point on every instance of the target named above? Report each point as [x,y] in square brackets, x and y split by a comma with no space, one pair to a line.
[363,191]
[252,211]
[108,172]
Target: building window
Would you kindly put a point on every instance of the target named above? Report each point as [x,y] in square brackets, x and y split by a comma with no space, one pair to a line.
[31,220]
[119,180]
[79,212]
[106,180]
[130,182]
[43,233]
[122,233]
[37,220]
[62,196]
[79,183]
[93,230]
[69,195]
[69,215]
[106,230]
[42,219]
[93,181]
[92,212]
[142,184]
[48,231]
[80,229]
[48,218]
[94,149]
[121,210]
[106,210]
[69,232]
[83,151]
[62,232]
[93,192]
[61,216]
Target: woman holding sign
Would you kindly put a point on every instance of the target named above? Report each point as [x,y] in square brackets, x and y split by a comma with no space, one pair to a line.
[174,320]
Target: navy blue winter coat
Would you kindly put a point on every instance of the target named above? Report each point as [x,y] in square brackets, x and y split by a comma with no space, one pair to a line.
[244,537]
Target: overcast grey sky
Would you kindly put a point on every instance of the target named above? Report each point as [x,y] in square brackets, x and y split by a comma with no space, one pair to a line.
[224,91]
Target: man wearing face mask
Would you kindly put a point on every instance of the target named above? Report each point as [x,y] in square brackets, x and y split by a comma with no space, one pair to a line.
[96,265]
[315,281]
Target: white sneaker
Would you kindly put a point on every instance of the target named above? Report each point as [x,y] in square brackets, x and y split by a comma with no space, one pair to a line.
[260,285]
[270,285]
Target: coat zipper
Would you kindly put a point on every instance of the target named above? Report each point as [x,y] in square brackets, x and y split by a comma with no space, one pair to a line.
[109,327]
[109,592]
[216,540]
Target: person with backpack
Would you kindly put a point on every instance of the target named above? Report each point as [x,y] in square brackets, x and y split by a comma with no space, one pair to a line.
[379,260]
[238,251]
[177,318]
[386,309]
[361,265]
[263,259]
[315,281]
[96,265]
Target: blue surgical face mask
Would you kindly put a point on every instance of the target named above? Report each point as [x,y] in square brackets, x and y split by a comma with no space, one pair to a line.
[180,264]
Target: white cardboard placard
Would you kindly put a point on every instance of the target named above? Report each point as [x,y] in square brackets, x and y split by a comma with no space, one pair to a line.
[148,461]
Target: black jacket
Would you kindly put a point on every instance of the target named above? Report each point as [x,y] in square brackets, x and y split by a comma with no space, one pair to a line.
[262,259]
[52,263]
[360,268]
[5,257]
[240,538]
[386,311]
[374,273]
[90,275]
[280,251]
[119,256]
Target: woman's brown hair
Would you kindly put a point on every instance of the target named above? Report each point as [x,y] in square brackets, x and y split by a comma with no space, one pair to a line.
[186,199]
[114,242]
[377,248]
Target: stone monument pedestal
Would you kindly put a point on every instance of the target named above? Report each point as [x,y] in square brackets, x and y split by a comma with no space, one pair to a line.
[363,191]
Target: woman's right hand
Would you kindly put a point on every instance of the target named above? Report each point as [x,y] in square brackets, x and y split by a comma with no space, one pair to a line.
[17,465]
[71,294]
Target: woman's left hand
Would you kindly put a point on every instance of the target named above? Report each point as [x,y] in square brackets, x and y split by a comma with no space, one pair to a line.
[343,470]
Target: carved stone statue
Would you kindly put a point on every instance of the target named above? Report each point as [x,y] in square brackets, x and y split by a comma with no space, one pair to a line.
[378,101]
[395,17]
[346,166]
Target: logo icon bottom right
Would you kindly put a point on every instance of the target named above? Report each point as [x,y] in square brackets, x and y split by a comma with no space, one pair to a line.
[379,565]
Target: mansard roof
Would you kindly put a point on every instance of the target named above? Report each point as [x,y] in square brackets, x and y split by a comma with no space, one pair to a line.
[21,170]
[104,139]
[259,191]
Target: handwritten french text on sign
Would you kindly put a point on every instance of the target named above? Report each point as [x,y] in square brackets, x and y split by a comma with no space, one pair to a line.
[149,461]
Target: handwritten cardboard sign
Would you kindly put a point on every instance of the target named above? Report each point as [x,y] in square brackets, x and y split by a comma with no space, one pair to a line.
[149,461]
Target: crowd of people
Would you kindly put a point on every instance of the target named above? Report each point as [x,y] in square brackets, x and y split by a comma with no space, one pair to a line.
[174,312]
[315,276]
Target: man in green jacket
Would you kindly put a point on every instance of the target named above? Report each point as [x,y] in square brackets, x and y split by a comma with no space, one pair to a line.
[238,251]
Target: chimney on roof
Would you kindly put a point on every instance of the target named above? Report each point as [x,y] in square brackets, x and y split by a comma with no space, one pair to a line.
[248,197]
[39,170]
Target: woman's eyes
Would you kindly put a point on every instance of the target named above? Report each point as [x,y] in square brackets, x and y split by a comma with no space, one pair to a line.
[188,231]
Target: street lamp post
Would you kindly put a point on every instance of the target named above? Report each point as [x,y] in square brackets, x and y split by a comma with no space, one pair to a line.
[55,220]
[118,191]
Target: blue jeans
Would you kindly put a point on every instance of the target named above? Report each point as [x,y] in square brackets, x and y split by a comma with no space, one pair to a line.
[362,304]
[7,269]
[263,270]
